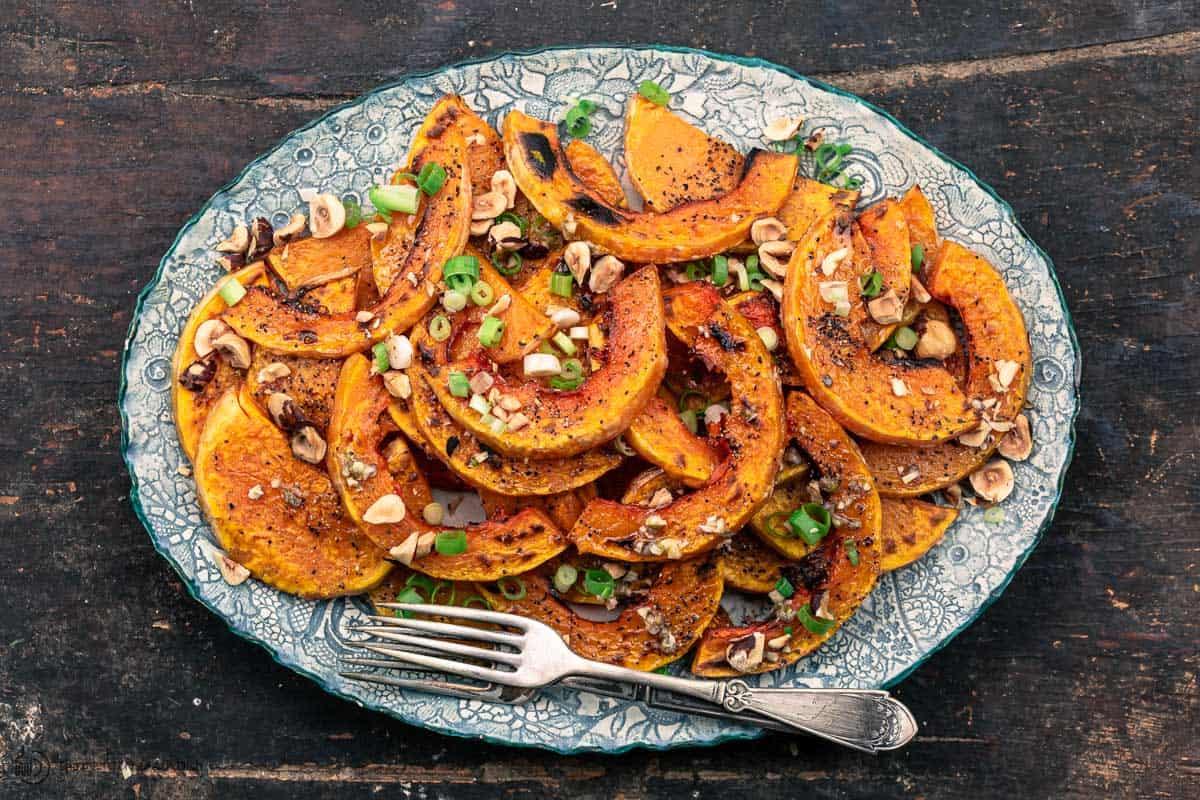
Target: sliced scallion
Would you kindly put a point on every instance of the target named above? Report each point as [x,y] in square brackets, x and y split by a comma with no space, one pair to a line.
[810,522]
[232,292]
[654,93]
[459,384]
[439,328]
[564,578]
[512,588]
[491,331]
[451,543]
[379,351]
[400,199]
[599,583]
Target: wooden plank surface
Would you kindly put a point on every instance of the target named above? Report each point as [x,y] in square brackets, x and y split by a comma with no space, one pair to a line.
[121,119]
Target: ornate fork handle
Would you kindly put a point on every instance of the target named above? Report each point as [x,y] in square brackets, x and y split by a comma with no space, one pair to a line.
[865,719]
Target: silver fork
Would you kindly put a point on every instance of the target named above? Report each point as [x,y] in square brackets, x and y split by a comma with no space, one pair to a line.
[532,655]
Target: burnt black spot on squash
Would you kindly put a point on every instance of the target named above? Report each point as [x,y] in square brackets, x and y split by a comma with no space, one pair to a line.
[541,155]
[588,207]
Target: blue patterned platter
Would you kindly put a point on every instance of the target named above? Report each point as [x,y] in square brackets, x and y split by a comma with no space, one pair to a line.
[913,612]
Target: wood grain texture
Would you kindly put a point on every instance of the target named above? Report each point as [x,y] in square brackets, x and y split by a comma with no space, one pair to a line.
[121,119]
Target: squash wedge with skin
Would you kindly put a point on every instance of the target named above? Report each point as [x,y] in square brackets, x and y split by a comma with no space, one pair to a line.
[461,452]
[564,508]
[310,382]
[686,594]
[672,162]
[808,201]
[922,226]
[191,408]
[910,528]
[879,397]
[838,461]
[296,536]
[753,434]
[563,424]
[763,312]
[996,332]
[525,327]
[494,549]
[696,230]
[659,436]
[750,566]
[266,319]
[594,170]
[827,569]
[306,263]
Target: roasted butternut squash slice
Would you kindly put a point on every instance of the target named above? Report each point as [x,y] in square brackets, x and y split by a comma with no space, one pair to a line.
[672,162]
[877,396]
[563,424]
[885,229]
[830,581]
[749,565]
[295,535]
[761,309]
[594,170]
[695,230]
[841,474]
[678,607]
[997,343]
[311,262]
[753,440]
[922,226]
[808,201]
[910,528]
[267,319]
[191,407]
[659,436]
[525,326]
[485,468]
[564,507]
[360,472]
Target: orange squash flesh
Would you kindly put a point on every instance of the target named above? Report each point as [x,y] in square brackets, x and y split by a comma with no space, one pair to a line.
[753,435]
[191,408]
[594,170]
[672,162]
[494,549]
[996,332]
[750,566]
[461,451]
[762,311]
[695,230]
[564,507]
[311,262]
[837,460]
[296,536]
[828,568]
[686,594]
[563,424]
[910,528]
[856,386]
[659,436]
[525,326]
[266,319]
[922,227]
[808,201]
[885,228]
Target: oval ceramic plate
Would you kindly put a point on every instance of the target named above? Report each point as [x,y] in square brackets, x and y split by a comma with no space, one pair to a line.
[911,614]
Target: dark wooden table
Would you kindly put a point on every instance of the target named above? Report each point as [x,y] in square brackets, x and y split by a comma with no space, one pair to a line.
[118,119]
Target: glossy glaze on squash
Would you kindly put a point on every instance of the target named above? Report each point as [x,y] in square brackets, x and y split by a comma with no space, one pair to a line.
[311,262]
[596,173]
[696,230]
[660,437]
[270,321]
[910,528]
[877,396]
[996,332]
[566,423]
[484,468]
[191,408]
[295,536]
[494,548]
[752,435]
[828,568]
[672,162]
[563,507]
[762,310]
[686,594]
